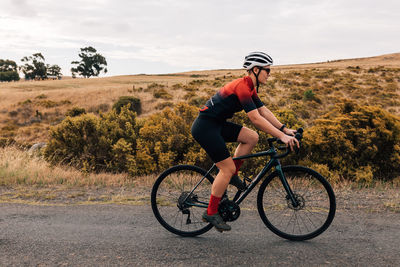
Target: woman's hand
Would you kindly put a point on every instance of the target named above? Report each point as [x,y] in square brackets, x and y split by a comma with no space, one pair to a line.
[290,141]
[289,131]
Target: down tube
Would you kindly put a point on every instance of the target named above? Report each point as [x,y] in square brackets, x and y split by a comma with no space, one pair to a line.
[263,172]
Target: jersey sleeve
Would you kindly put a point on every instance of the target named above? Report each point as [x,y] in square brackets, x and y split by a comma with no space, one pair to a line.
[257,101]
[245,98]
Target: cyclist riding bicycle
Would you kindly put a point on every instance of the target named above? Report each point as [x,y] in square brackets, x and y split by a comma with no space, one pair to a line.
[211,129]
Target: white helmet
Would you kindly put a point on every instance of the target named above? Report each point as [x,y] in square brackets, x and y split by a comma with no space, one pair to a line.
[257,59]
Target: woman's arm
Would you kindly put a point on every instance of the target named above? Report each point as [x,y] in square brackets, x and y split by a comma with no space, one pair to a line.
[266,126]
[269,116]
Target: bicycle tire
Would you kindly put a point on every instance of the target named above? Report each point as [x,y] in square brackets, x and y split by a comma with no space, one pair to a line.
[279,215]
[170,188]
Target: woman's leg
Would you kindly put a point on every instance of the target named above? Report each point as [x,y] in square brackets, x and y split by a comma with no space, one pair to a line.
[226,170]
[248,140]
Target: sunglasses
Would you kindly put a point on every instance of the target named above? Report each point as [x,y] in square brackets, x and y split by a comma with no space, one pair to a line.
[268,70]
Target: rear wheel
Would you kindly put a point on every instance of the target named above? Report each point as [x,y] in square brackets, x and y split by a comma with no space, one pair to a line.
[314,212]
[176,210]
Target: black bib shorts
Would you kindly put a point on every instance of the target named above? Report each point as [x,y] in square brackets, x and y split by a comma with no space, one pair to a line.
[212,135]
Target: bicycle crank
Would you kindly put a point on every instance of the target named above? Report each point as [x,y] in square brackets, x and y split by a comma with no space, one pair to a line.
[229,210]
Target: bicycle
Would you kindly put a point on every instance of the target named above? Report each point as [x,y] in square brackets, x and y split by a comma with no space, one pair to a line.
[294,202]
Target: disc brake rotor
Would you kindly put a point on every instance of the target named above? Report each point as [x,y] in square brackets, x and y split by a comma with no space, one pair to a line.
[300,202]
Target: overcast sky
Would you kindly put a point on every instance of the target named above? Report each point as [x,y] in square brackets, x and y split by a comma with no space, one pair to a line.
[169,36]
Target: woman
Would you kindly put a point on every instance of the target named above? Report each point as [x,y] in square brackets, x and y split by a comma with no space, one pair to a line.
[211,130]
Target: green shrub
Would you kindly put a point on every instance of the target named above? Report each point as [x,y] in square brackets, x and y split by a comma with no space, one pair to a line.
[166,140]
[41,96]
[135,104]
[197,82]
[52,104]
[74,141]
[309,95]
[91,143]
[8,76]
[154,86]
[162,93]
[355,141]
[75,111]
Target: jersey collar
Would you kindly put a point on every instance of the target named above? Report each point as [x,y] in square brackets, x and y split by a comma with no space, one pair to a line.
[249,82]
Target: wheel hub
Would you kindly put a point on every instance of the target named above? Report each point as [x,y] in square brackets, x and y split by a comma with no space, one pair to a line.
[184,200]
[300,202]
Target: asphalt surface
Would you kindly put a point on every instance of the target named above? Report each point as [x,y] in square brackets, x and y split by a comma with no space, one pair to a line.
[123,235]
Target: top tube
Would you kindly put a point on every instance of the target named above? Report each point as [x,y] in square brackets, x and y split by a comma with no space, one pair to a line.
[270,152]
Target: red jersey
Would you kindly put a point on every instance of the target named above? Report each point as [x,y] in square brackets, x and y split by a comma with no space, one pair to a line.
[235,96]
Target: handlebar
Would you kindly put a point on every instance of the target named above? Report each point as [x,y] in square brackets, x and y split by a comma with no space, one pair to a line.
[298,136]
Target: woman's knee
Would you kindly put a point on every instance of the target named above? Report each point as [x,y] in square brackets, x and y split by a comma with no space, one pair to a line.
[227,167]
[254,137]
[248,136]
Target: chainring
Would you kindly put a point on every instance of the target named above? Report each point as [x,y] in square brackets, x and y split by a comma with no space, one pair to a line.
[229,210]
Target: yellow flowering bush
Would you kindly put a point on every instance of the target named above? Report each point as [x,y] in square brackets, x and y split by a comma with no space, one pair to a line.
[356,142]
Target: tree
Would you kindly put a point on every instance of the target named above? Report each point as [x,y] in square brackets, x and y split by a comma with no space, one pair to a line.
[8,65]
[8,70]
[91,63]
[34,67]
[54,71]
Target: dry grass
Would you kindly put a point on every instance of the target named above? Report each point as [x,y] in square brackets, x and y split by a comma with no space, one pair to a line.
[29,108]
[27,178]
[18,167]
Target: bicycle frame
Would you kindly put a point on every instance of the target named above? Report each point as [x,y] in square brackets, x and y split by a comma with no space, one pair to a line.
[273,162]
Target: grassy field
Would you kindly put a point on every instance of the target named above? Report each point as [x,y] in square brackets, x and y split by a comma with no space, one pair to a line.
[29,108]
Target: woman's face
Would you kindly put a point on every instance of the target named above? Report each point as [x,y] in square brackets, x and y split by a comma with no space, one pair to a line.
[263,74]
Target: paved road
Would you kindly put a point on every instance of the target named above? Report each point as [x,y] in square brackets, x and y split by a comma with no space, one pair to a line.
[122,235]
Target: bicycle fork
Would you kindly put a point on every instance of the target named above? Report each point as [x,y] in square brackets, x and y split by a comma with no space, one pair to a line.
[290,195]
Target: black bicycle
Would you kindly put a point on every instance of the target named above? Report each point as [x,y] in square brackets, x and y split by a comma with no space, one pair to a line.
[294,202]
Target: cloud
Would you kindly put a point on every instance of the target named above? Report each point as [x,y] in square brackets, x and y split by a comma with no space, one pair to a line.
[20,8]
[183,34]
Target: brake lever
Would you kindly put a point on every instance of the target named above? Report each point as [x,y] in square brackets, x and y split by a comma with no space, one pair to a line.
[298,136]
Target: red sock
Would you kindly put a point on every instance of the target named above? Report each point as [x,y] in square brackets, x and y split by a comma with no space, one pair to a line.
[213,205]
[238,164]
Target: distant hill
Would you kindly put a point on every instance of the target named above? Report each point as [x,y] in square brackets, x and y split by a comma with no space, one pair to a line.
[387,60]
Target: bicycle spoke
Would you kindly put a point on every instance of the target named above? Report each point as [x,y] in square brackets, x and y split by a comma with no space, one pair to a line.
[175,209]
[309,217]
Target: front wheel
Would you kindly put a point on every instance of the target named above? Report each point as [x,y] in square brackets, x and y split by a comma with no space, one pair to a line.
[315,198]
[174,207]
